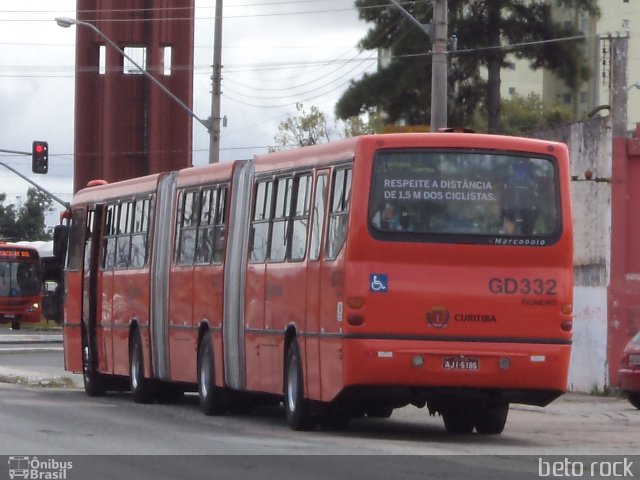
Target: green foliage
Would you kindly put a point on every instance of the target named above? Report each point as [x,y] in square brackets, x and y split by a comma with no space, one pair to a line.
[303,129]
[26,220]
[522,114]
[361,125]
[402,88]
[311,128]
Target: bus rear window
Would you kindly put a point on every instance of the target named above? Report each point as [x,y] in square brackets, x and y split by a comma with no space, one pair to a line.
[464,196]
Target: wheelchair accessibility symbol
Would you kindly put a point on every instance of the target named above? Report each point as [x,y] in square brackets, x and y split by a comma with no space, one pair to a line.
[378,282]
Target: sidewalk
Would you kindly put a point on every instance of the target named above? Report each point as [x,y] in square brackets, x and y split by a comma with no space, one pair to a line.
[17,347]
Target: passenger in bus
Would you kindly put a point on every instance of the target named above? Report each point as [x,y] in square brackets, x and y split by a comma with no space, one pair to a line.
[519,202]
[390,218]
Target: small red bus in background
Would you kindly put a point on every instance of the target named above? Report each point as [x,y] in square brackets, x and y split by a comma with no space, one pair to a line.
[345,279]
[20,284]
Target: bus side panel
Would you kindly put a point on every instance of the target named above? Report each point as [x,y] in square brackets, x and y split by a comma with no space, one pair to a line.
[130,303]
[331,361]
[181,343]
[72,331]
[104,327]
[207,308]
[284,306]
[254,325]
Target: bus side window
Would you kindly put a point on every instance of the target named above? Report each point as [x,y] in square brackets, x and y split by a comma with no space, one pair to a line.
[318,217]
[76,237]
[108,244]
[339,213]
[301,217]
[280,223]
[204,240]
[139,233]
[123,242]
[219,229]
[188,217]
[260,223]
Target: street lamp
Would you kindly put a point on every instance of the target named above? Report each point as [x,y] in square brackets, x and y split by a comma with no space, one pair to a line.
[66,22]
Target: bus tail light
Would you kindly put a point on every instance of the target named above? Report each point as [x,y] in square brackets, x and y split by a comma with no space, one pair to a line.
[33,308]
[355,302]
[355,320]
[567,326]
[567,309]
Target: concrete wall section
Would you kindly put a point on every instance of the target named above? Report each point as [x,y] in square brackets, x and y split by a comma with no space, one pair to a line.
[590,154]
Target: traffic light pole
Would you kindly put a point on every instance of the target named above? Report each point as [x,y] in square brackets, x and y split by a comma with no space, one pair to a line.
[26,179]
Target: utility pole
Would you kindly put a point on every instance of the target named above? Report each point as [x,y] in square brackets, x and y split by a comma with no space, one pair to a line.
[437,31]
[439,66]
[619,95]
[214,121]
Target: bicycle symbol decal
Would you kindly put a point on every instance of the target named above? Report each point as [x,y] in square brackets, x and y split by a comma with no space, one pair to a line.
[378,282]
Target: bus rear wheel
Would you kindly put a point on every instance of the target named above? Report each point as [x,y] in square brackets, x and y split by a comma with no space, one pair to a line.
[298,411]
[491,419]
[458,421]
[15,325]
[634,399]
[140,387]
[208,393]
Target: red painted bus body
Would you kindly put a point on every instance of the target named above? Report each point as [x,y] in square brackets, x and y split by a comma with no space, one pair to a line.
[347,279]
[20,285]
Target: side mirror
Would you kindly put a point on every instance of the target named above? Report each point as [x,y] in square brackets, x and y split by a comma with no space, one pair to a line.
[60,241]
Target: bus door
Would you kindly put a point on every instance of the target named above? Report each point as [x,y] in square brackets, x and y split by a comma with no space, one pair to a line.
[91,310]
[314,264]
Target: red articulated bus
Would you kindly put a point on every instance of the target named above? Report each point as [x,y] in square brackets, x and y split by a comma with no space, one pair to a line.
[20,284]
[344,279]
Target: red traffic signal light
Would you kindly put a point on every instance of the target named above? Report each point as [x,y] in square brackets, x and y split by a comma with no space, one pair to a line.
[40,157]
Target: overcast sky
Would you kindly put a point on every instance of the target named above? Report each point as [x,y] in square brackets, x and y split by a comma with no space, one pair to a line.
[275,53]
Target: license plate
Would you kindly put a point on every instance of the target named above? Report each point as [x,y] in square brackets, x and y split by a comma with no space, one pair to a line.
[460,363]
[634,359]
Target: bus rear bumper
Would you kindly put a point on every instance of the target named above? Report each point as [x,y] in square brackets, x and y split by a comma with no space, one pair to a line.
[529,373]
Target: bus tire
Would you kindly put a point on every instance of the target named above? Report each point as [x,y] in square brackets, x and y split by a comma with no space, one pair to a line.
[491,419]
[458,421]
[141,390]
[297,407]
[15,325]
[634,399]
[208,393]
[93,384]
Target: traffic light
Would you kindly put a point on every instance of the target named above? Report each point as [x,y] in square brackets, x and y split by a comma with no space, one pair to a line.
[40,157]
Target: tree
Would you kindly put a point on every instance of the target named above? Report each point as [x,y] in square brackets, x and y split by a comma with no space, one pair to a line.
[482,28]
[311,128]
[304,129]
[521,114]
[25,221]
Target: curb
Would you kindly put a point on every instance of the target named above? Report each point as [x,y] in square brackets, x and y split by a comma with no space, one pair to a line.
[36,380]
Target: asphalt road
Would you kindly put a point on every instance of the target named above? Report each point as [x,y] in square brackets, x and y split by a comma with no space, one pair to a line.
[56,422]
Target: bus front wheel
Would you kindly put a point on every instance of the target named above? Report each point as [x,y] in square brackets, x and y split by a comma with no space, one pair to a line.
[93,384]
[297,407]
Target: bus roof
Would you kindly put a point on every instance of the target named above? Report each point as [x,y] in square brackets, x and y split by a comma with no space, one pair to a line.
[346,149]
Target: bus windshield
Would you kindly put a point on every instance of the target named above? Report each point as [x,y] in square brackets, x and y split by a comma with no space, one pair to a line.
[464,195]
[19,278]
